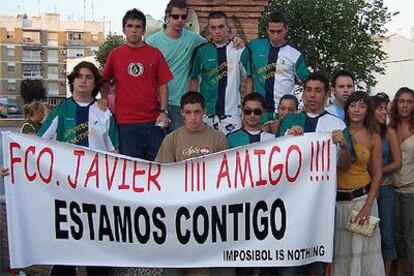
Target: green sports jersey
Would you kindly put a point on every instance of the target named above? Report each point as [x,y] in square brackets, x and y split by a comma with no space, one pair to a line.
[84,125]
[219,69]
[243,137]
[275,69]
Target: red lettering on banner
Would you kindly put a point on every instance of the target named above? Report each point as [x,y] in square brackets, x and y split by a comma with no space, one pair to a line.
[259,153]
[136,173]
[243,174]
[110,179]
[49,151]
[289,152]
[278,167]
[29,177]
[13,160]
[124,186]
[195,173]
[79,154]
[93,171]
[224,172]
[152,178]
[185,177]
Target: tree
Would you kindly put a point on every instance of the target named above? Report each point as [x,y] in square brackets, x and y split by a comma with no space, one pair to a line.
[32,90]
[337,34]
[112,41]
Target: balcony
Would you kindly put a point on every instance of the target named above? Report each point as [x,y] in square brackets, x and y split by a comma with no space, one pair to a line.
[32,75]
[32,59]
[75,42]
[30,42]
[52,43]
[53,76]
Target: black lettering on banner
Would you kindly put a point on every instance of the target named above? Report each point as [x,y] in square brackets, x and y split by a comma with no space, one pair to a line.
[200,211]
[236,209]
[264,221]
[183,239]
[219,224]
[247,221]
[74,210]
[105,224]
[90,209]
[123,225]
[278,233]
[59,218]
[159,237]
[142,238]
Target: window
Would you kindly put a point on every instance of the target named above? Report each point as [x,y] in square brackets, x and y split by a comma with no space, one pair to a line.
[75,36]
[10,35]
[52,55]
[31,70]
[53,72]
[31,55]
[10,52]
[31,37]
[53,88]
[52,39]
[72,53]
[11,67]
[11,85]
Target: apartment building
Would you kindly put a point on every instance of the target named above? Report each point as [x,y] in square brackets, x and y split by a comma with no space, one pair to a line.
[38,47]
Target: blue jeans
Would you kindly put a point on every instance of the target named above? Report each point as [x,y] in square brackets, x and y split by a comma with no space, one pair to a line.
[386,210]
[404,226]
[174,112]
[140,140]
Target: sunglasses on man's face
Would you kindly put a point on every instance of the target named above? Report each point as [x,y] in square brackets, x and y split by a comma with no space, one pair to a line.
[176,16]
[256,112]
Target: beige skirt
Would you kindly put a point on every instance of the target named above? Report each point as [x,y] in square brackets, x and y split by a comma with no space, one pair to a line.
[356,254]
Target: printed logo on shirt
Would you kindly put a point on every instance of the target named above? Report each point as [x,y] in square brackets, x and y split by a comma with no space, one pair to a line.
[135,69]
[195,151]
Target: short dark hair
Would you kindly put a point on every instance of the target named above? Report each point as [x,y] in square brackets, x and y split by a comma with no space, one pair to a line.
[341,73]
[217,15]
[254,97]
[192,97]
[93,69]
[369,121]
[134,14]
[291,98]
[320,77]
[181,4]
[275,17]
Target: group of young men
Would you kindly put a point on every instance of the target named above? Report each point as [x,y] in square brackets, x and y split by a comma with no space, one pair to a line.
[152,79]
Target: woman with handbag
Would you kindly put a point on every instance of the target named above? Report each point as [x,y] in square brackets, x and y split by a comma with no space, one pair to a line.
[357,242]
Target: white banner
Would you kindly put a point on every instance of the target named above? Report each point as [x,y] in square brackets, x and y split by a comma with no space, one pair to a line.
[268,204]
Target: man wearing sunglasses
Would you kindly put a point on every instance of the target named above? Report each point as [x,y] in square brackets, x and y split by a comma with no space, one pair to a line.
[276,63]
[218,64]
[252,111]
[177,45]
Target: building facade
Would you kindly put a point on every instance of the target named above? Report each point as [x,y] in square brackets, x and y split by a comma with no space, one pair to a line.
[399,65]
[37,47]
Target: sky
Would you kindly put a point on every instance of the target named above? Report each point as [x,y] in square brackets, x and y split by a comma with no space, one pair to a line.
[112,11]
